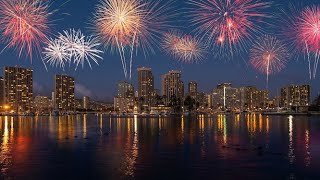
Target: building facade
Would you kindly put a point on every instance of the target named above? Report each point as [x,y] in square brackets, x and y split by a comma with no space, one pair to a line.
[225,97]
[124,102]
[251,98]
[125,89]
[2,95]
[193,89]
[64,93]
[172,87]
[145,88]
[42,104]
[18,88]
[295,95]
[86,102]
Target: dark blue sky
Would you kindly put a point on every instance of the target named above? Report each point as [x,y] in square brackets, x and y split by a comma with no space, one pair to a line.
[100,83]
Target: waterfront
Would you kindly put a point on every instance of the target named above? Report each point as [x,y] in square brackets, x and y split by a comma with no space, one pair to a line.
[103,147]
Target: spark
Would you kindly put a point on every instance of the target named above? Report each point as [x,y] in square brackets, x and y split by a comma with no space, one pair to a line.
[72,46]
[228,25]
[184,47]
[127,26]
[308,35]
[269,55]
[24,24]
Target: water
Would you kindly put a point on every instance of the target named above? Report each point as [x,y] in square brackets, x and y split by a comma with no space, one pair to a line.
[101,147]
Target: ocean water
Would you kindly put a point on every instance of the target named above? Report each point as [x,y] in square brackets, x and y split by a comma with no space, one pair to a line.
[194,147]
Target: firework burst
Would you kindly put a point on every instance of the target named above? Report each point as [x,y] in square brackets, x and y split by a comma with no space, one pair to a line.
[227,24]
[72,47]
[185,48]
[308,36]
[24,24]
[128,25]
[268,55]
[301,30]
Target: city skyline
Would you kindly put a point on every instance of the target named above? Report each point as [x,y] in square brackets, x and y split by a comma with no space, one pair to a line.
[207,73]
[81,91]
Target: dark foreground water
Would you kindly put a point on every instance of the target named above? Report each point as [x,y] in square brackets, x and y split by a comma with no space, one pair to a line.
[101,147]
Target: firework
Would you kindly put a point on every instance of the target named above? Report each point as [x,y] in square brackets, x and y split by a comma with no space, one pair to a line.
[309,28]
[56,53]
[308,36]
[24,24]
[228,25]
[185,48]
[72,47]
[268,55]
[128,25]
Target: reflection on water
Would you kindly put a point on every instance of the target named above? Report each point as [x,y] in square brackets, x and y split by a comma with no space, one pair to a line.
[100,147]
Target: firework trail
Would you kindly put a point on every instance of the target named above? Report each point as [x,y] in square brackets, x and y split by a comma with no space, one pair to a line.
[24,24]
[184,47]
[228,25]
[268,55]
[72,47]
[125,26]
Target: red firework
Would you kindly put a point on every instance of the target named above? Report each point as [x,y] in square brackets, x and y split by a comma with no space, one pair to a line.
[309,28]
[24,24]
[228,24]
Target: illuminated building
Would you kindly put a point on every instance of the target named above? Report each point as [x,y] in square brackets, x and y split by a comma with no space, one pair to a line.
[172,86]
[18,88]
[145,88]
[225,97]
[193,89]
[252,98]
[124,104]
[2,99]
[209,100]
[42,104]
[125,89]
[295,95]
[64,93]
[124,101]
[86,102]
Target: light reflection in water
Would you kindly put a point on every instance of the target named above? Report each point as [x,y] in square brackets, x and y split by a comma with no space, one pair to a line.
[131,146]
[290,146]
[85,116]
[307,158]
[6,146]
[131,149]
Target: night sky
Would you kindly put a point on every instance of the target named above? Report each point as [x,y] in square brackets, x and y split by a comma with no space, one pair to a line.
[100,82]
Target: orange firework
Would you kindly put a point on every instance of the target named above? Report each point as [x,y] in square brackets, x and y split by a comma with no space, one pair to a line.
[24,24]
[127,25]
[185,48]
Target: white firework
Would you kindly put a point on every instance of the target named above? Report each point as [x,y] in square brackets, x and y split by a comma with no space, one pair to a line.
[77,49]
[56,53]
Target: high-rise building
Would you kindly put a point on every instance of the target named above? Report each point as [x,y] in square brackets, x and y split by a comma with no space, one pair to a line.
[18,88]
[42,104]
[124,101]
[145,88]
[2,99]
[172,87]
[125,89]
[225,97]
[124,104]
[64,93]
[295,95]
[193,89]
[251,98]
[86,102]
